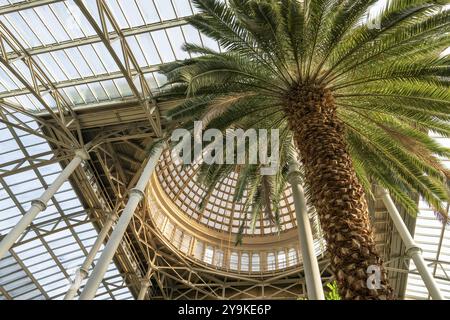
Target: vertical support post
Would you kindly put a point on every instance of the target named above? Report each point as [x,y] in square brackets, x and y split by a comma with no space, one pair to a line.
[83,271]
[40,204]
[136,195]
[412,250]
[145,284]
[314,285]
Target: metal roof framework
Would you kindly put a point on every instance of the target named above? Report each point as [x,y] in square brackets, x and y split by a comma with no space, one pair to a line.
[61,57]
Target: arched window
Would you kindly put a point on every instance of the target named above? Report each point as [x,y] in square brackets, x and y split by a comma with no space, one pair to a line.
[292,257]
[255,262]
[234,261]
[198,250]
[168,230]
[209,252]
[177,238]
[159,220]
[270,261]
[218,258]
[281,259]
[185,243]
[244,261]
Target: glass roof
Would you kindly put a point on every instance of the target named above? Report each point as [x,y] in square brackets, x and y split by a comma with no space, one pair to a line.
[53,46]
[44,260]
[65,46]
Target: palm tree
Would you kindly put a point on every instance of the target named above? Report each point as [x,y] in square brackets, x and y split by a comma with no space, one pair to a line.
[358,98]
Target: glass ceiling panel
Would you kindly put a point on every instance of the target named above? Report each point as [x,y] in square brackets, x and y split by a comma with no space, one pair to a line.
[80,57]
[183,8]
[48,17]
[21,30]
[8,80]
[40,28]
[163,46]
[16,282]
[71,19]
[165,9]
[177,41]
[148,11]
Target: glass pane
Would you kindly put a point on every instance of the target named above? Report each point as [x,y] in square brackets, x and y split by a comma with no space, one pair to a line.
[255,262]
[209,252]
[281,259]
[234,261]
[271,261]
[244,262]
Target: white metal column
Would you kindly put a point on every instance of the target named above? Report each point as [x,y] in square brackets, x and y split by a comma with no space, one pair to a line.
[412,250]
[40,204]
[314,285]
[136,195]
[145,284]
[83,272]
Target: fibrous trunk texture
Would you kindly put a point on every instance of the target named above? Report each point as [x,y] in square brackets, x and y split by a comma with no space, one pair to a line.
[336,192]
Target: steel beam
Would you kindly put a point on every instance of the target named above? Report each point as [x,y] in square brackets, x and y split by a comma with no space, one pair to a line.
[130,64]
[314,285]
[136,195]
[83,271]
[76,82]
[40,204]
[134,31]
[412,249]
[38,78]
[145,284]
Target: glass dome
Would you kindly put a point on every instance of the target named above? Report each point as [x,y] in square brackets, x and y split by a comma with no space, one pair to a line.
[208,236]
[220,212]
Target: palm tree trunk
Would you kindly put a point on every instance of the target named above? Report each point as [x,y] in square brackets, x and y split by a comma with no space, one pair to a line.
[336,192]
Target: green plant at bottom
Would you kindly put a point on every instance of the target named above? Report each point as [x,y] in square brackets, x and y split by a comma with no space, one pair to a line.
[332,294]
